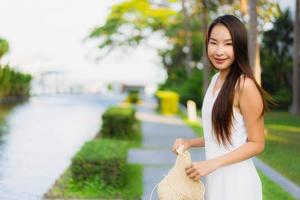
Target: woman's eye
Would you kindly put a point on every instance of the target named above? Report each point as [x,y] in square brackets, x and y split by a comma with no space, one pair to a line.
[229,44]
[213,43]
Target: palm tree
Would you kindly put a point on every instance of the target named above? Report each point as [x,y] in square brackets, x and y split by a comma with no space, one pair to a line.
[296,62]
[252,41]
[204,26]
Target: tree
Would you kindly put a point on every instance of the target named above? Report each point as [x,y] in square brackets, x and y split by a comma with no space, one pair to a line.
[4,47]
[132,22]
[253,46]
[296,62]
[276,59]
[255,15]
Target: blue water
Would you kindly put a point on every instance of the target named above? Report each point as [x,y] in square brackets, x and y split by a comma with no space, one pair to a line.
[39,137]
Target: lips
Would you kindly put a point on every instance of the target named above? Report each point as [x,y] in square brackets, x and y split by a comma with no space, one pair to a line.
[219,61]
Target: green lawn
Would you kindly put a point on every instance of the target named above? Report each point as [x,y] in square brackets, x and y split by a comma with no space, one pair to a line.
[282,150]
[271,191]
[283,139]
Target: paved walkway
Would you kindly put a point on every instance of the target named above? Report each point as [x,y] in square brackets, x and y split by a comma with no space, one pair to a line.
[159,133]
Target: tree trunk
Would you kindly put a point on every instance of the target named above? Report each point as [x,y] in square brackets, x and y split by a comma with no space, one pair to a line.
[204,60]
[252,41]
[295,109]
[188,40]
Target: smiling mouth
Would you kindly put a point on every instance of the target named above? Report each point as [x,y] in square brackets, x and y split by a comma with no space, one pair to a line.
[219,61]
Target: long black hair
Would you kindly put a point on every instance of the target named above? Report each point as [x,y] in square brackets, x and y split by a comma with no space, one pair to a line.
[222,112]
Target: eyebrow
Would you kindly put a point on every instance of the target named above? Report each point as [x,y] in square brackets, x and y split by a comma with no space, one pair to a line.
[217,40]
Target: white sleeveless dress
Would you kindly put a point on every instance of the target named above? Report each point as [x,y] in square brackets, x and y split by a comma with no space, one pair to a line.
[238,181]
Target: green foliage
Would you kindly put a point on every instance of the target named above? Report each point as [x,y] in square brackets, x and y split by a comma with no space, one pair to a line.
[267,12]
[119,122]
[102,159]
[4,47]
[13,83]
[133,96]
[133,22]
[68,188]
[189,88]
[276,60]
[100,170]
[130,22]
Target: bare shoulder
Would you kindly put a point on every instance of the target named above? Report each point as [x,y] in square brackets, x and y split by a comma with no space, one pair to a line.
[247,85]
[250,99]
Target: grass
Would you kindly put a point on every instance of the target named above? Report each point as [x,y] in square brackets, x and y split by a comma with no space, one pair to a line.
[283,139]
[282,150]
[66,187]
[136,142]
[271,191]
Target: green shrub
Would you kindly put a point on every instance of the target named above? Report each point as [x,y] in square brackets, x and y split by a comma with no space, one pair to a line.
[119,123]
[14,83]
[133,96]
[101,158]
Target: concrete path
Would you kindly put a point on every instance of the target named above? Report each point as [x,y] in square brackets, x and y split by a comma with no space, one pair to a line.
[159,133]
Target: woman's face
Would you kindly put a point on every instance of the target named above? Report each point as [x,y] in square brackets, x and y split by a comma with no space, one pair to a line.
[220,50]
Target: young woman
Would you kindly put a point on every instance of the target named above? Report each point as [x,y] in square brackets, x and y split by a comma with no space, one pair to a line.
[232,118]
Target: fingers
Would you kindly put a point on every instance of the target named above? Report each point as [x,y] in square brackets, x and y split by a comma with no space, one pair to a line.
[190,169]
[197,178]
[192,173]
[177,143]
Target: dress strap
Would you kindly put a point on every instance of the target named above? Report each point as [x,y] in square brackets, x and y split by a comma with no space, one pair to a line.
[238,80]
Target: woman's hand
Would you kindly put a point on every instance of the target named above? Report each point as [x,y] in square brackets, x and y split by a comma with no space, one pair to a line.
[202,168]
[178,142]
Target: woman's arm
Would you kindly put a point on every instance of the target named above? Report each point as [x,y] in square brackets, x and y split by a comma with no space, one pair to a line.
[188,143]
[251,106]
[196,142]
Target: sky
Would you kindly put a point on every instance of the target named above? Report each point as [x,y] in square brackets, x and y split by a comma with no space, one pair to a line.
[47,35]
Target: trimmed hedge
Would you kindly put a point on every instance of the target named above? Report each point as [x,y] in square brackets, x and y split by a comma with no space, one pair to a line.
[119,123]
[133,96]
[101,158]
[14,83]
[167,102]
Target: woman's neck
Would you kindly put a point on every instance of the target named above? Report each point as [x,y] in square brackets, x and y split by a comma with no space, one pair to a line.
[223,74]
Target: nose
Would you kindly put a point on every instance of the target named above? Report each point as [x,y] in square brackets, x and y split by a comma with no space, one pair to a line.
[219,51]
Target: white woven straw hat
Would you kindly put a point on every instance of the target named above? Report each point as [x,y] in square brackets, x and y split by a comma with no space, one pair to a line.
[176,185]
